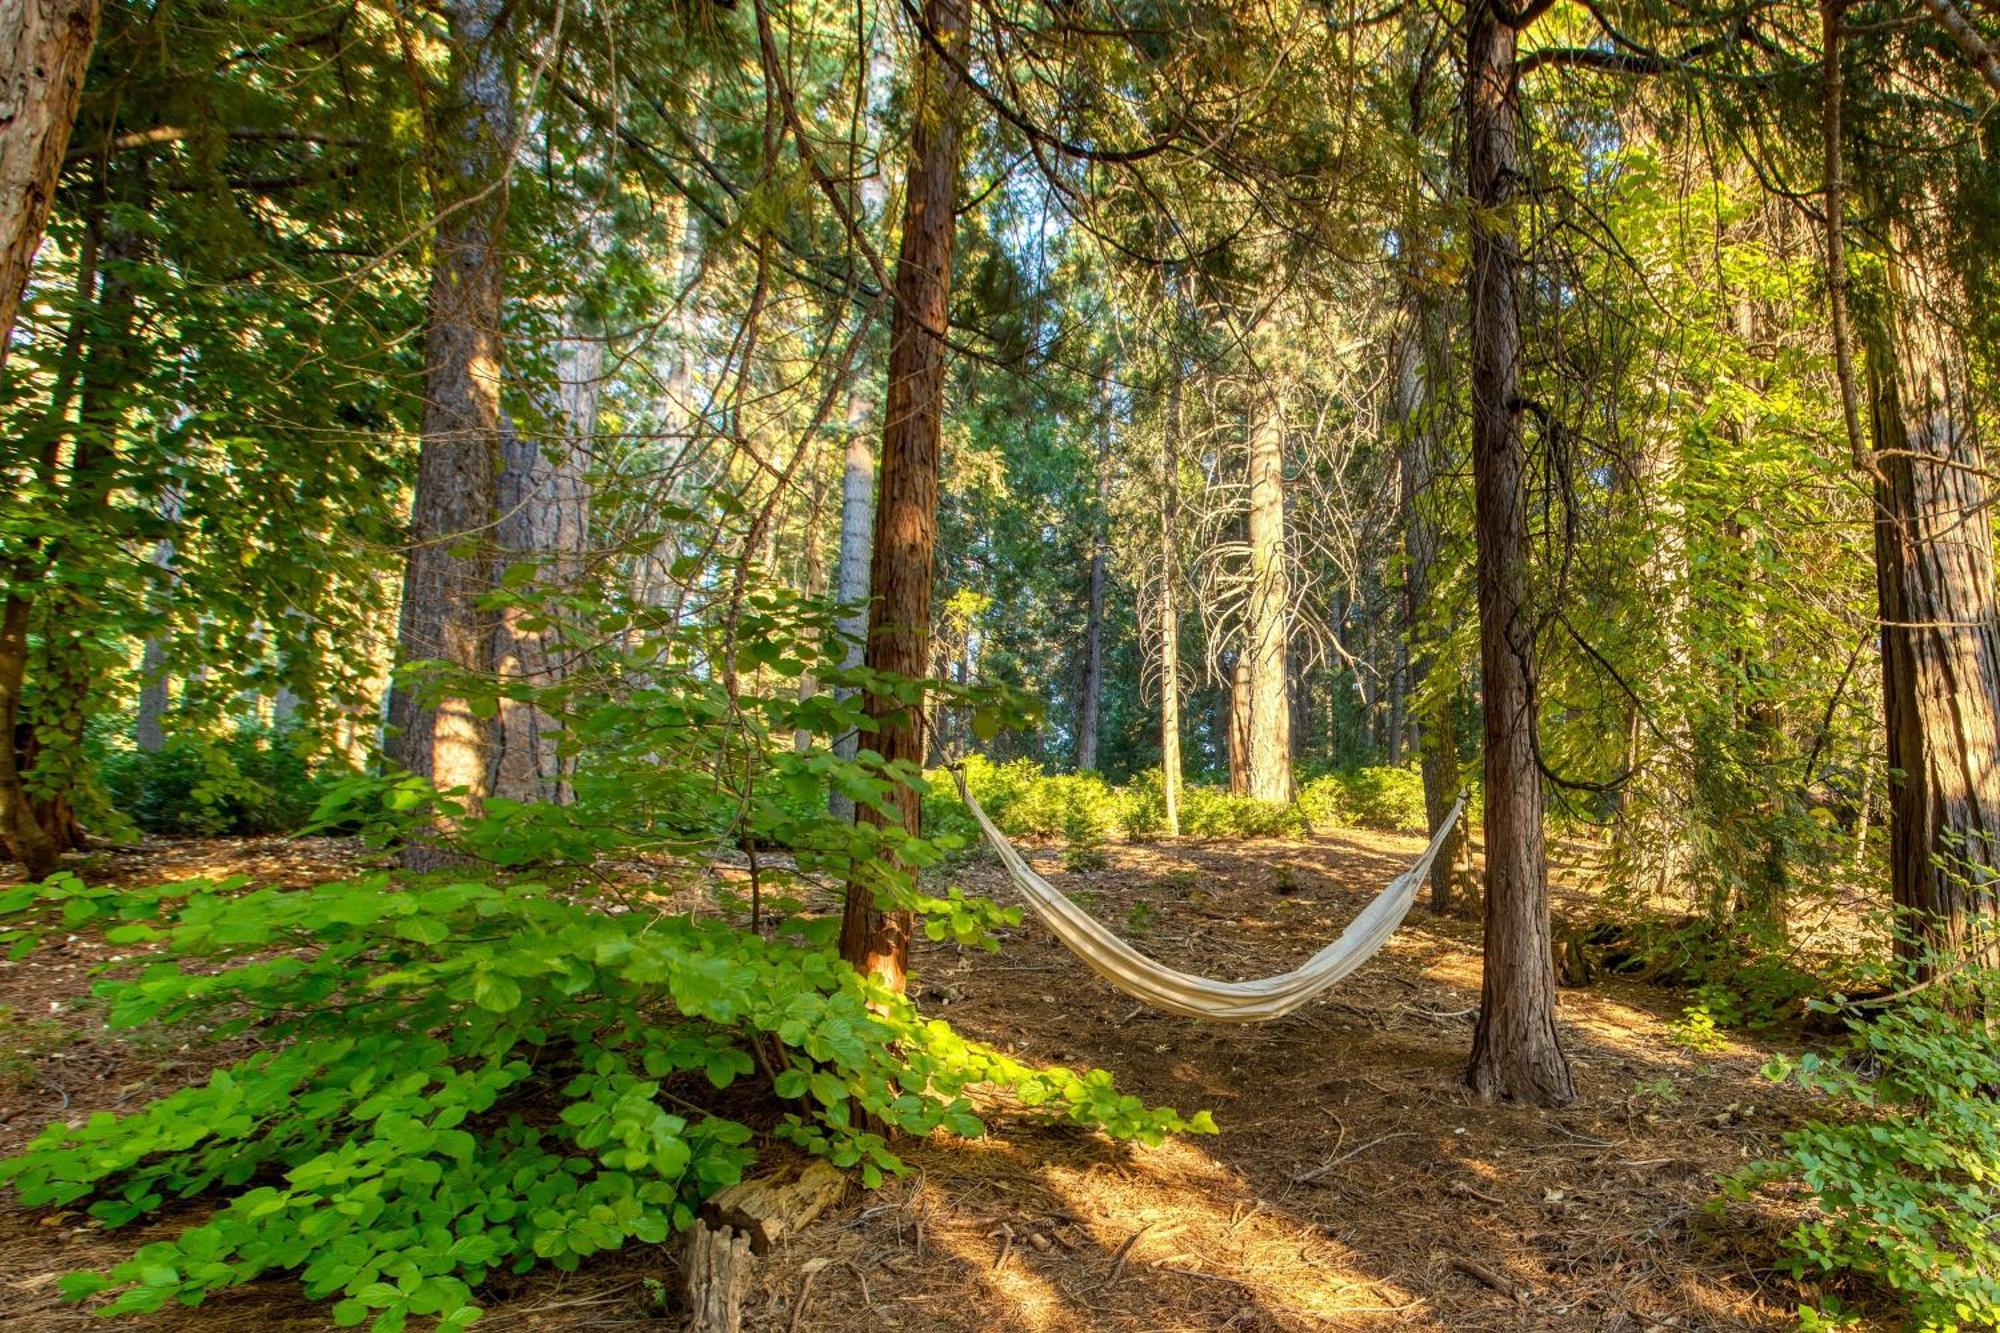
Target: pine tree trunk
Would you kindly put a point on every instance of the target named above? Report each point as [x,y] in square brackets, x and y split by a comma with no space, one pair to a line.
[1515,1050]
[44,50]
[1940,639]
[1239,727]
[905,539]
[458,469]
[149,729]
[1417,348]
[1270,720]
[1090,713]
[1170,621]
[544,518]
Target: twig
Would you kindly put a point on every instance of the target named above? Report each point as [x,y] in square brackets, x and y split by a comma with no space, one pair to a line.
[1118,1259]
[1479,1272]
[1307,1177]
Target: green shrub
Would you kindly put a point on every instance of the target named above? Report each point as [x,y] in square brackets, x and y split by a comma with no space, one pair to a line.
[1905,1173]
[454,1079]
[252,781]
[1388,799]
[1212,812]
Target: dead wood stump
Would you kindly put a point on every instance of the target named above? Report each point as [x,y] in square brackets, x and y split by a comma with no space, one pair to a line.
[739,1224]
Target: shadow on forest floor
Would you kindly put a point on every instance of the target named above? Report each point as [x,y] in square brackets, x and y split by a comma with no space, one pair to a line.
[1355,1184]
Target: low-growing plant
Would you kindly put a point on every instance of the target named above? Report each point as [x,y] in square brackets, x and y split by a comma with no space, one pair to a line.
[1384,798]
[454,1079]
[250,781]
[1904,1171]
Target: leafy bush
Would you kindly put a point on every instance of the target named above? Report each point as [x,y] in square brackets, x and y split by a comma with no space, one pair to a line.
[252,781]
[1906,1172]
[1384,798]
[453,1079]
[1212,812]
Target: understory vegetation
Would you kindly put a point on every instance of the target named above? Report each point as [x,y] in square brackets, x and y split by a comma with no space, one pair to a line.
[616,465]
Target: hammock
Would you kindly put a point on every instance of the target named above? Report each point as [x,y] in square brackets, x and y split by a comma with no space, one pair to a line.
[1162,987]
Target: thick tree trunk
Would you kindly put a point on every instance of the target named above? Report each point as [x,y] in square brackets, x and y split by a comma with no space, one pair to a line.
[899,620]
[437,735]
[44,50]
[1437,739]
[544,518]
[1270,721]
[1515,1050]
[1940,636]
[1090,712]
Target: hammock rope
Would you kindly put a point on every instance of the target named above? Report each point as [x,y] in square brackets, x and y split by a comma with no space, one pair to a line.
[1154,983]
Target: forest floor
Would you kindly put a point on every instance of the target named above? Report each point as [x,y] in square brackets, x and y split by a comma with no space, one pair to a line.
[1355,1184]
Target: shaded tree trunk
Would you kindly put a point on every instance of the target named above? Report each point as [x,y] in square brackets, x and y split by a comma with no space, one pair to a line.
[436,734]
[905,539]
[44,50]
[1239,727]
[1418,352]
[1516,1053]
[1089,713]
[857,533]
[149,730]
[544,501]
[1940,636]
[1269,752]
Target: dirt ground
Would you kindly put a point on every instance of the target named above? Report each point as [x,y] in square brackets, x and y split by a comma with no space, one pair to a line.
[1354,1185]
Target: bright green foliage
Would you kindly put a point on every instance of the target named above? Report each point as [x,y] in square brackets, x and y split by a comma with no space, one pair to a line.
[458,1078]
[1906,1175]
[1381,797]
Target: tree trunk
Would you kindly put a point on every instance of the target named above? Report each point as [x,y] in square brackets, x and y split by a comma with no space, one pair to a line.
[1940,640]
[44,50]
[905,539]
[1516,1053]
[1417,356]
[857,484]
[437,735]
[857,533]
[1089,714]
[149,730]
[1170,621]
[1239,727]
[544,518]
[1270,721]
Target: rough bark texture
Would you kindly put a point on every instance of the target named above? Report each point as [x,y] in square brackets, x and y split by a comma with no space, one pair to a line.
[1170,621]
[1269,754]
[458,468]
[1515,1051]
[44,50]
[1090,713]
[1437,737]
[544,517]
[1940,638]
[739,1224]
[899,620]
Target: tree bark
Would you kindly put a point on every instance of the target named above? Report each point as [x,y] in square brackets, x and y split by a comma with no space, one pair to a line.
[1090,711]
[1170,621]
[1940,632]
[44,51]
[905,538]
[544,501]
[1416,425]
[1239,727]
[437,735]
[1516,1053]
[857,534]
[1270,721]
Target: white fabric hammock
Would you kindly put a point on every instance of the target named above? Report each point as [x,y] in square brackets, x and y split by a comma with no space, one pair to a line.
[1162,987]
